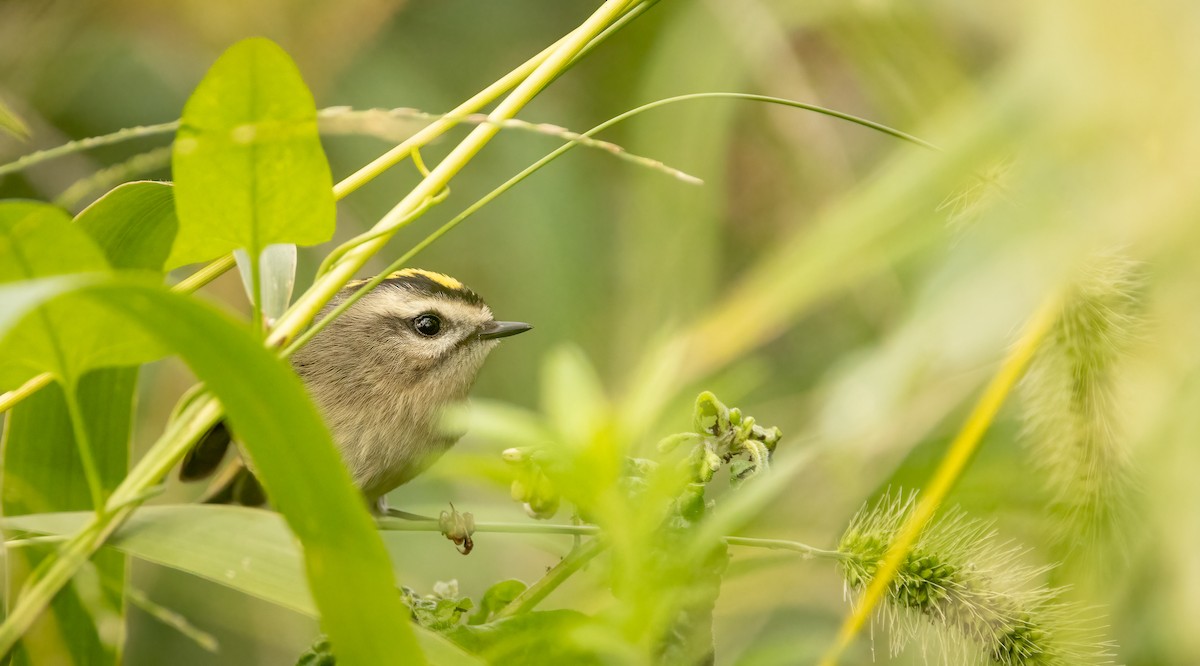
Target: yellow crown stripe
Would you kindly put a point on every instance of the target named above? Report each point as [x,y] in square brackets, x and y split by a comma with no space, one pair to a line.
[444,280]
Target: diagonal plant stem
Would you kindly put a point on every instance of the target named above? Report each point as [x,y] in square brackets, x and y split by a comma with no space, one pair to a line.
[218,267]
[307,307]
[555,154]
[566,567]
[958,456]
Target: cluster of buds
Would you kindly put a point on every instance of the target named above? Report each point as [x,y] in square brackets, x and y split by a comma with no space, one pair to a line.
[721,436]
[724,436]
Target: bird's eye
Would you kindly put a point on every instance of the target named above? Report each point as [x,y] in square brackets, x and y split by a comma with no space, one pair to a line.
[427,324]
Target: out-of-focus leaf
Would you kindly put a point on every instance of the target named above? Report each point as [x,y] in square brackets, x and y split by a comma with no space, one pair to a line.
[42,472]
[248,165]
[69,336]
[10,122]
[249,550]
[535,638]
[347,567]
[572,396]
[134,224]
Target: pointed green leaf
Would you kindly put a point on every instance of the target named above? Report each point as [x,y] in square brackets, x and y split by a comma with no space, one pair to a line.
[134,225]
[248,165]
[348,570]
[65,338]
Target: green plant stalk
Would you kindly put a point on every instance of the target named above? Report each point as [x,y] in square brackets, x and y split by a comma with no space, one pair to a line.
[26,161]
[351,183]
[559,573]
[316,328]
[483,97]
[307,307]
[959,454]
[809,552]
[486,96]
[555,154]
[404,525]
[84,444]
[157,462]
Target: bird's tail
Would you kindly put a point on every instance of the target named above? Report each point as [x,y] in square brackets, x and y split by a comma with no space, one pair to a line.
[235,484]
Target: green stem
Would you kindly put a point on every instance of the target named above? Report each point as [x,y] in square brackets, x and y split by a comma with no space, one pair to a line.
[808,551]
[430,525]
[324,289]
[559,573]
[205,275]
[68,148]
[84,444]
[375,281]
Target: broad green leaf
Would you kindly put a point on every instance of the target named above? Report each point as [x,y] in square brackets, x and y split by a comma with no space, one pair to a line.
[348,570]
[68,337]
[42,472]
[248,165]
[249,550]
[10,122]
[134,225]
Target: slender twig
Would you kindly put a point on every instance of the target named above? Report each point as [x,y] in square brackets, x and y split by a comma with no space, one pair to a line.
[26,161]
[566,567]
[389,524]
[809,552]
[958,456]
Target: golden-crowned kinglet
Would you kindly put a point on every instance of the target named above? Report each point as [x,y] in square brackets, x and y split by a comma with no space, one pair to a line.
[381,374]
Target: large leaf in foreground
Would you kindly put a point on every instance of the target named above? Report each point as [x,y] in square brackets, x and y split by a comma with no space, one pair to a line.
[42,472]
[348,570]
[67,337]
[249,550]
[134,224]
[248,165]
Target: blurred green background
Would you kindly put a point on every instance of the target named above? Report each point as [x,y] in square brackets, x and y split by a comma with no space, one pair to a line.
[849,288]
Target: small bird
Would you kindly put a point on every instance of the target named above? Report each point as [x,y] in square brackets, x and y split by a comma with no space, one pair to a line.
[381,375]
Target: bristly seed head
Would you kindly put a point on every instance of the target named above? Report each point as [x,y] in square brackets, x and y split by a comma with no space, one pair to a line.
[981,601]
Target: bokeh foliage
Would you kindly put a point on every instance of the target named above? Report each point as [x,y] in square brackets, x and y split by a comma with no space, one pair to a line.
[854,290]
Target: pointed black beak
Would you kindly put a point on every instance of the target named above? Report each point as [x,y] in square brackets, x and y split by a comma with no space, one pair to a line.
[494,330]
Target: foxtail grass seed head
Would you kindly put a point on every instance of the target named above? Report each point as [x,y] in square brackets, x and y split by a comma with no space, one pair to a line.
[1070,410]
[963,593]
